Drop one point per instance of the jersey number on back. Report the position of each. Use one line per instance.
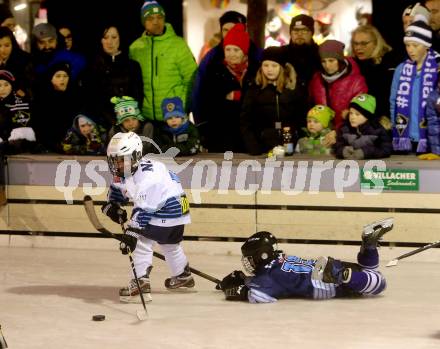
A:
(293, 264)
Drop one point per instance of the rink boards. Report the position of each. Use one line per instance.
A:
(229, 199)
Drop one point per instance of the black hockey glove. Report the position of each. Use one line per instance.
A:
(236, 293)
(115, 212)
(233, 279)
(129, 240)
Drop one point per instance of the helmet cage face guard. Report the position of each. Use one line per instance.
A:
(258, 250)
(248, 264)
(124, 165)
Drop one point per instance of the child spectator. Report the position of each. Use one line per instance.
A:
(413, 80)
(56, 103)
(362, 136)
(272, 102)
(129, 118)
(85, 137)
(178, 132)
(16, 133)
(318, 122)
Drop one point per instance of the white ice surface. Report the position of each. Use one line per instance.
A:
(49, 295)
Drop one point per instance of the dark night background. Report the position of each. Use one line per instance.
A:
(87, 18)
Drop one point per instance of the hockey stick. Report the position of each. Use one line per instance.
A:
(141, 315)
(90, 210)
(3, 344)
(393, 262)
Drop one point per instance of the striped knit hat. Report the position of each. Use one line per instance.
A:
(126, 107)
(419, 32)
(149, 8)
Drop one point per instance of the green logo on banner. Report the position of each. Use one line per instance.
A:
(390, 179)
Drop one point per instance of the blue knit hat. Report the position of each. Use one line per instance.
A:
(151, 7)
(172, 107)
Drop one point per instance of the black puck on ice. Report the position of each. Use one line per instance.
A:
(98, 317)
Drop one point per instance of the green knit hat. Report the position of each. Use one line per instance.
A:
(126, 107)
(322, 113)
(364, 104)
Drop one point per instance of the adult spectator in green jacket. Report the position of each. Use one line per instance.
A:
(166, 61)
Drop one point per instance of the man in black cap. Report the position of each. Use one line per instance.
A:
(213, 57)
(302, 51)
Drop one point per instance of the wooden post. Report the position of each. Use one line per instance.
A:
(256, 20)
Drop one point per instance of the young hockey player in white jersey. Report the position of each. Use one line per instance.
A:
(160, 213)
(276, 275)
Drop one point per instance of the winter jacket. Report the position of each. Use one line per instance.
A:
(305, 59)
(312, 143)
(168, 69)
(42, 61)
(16, 132)
(111, 76)
(371, 137)
(53, 112)
(338, 94)
(186, 139)
(214, 56)
(433, 120)
(263, 108)
(222, 129)
(414, 134)
(20, 65)
(378, 78)
(76, 144)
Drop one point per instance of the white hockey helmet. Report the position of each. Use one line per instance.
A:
(124, 152)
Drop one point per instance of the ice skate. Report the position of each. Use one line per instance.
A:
(373, 233)
(130, 294)
(182, 281)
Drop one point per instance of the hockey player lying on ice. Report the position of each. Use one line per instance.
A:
(277, 275)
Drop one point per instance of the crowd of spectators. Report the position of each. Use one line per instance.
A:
(357, 102)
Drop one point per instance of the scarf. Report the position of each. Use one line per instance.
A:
(428, 78)
(237, 70)
(178, 130)
(335, 76)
